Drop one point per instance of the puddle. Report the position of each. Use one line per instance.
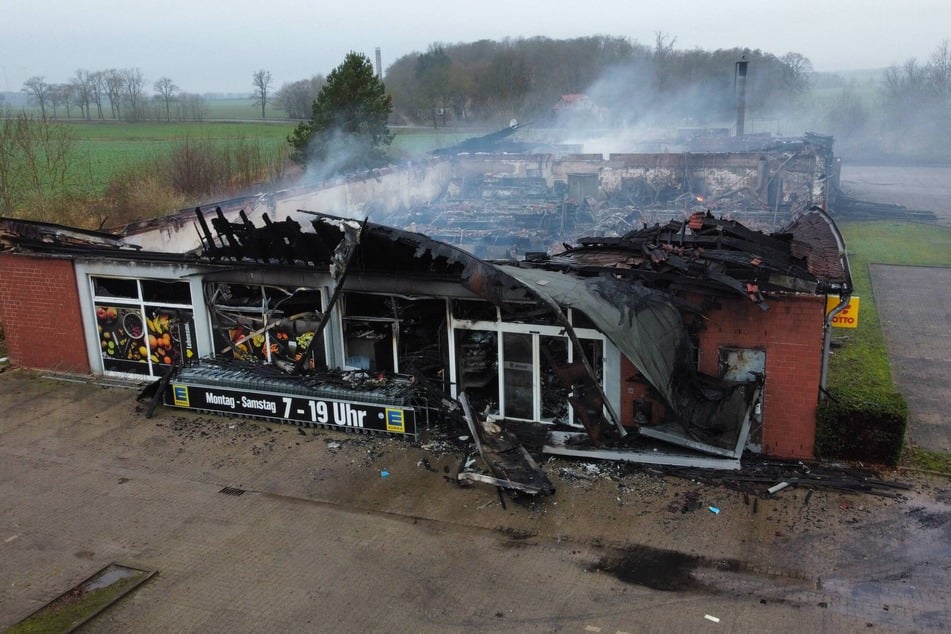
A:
(108, 576)
(665, 570)
(83, 601)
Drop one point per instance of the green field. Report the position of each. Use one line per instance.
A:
(104, 149)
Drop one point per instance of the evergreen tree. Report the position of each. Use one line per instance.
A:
(347, 129)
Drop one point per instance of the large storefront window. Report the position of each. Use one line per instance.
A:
(522, 371)
(391, 333)
(144, 326)
(267, 324)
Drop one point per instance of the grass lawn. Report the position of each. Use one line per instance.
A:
(881, 242)
(861, 364)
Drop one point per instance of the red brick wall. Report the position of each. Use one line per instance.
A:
(39, 308)
(791, 333)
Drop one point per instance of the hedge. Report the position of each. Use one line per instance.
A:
(869, 427)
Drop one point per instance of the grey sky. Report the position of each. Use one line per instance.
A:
(215, 45)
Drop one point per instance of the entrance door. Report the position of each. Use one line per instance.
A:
(518, 376)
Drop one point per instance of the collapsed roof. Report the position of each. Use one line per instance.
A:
(635, 288)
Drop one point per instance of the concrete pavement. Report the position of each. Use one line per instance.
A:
(915, 309)
(321, 542)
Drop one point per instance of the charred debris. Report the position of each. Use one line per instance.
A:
(646, 291)
(631, 251)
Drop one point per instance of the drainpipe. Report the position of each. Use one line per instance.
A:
(827, 340)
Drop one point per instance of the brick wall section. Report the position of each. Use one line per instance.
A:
(791, 333)
(39, 308)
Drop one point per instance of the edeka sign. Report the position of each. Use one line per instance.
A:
(293, 408)
(848, 317)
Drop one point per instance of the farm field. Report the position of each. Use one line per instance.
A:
(104, 149)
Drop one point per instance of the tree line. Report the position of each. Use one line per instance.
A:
(119, 94)
(126, 94)
(494, 81)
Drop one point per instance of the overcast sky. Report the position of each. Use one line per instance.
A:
(215, 45)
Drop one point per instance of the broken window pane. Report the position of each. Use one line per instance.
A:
(369, 345)
(267, 324)
(580, 320)
(423, 337)
(477, 375)
(473, 310)
(115, 287)
(369, 331)
(166, 292)
(554, 356)
(236, 295)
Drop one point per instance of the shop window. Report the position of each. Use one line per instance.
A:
(139, 337)
(267, 324)
(370, 332)
(422, 338)
(537, 374)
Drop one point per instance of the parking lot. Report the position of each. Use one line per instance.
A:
(319, 540)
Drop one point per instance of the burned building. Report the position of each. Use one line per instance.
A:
(614, 300)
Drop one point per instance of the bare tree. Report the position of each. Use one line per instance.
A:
(62, 95)
(297, 98)
(35, 159)
(193, 107)
(115, 86)
(39, 92)
(166, 89)
(797, 72)
(82, 90)
(97, 91)
(134, 87)
(261, 80)
(939, 69)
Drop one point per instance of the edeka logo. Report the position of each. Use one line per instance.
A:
(394, 421)
(848, 317)
(180, 395)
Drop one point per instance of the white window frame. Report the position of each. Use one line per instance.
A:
(537, 331)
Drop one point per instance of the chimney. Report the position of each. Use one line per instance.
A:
(379, 64)
(740, 86)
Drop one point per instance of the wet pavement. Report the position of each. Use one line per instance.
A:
(914, 308)
(318, 540)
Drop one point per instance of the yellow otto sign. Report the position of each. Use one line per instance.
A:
(848, 317)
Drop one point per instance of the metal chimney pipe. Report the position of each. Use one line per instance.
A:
(379, 64)
(739, 79)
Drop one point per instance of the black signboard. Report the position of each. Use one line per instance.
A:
(293, 408)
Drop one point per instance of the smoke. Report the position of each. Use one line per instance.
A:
(641, 105)
(634, 107)
(332, 153)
